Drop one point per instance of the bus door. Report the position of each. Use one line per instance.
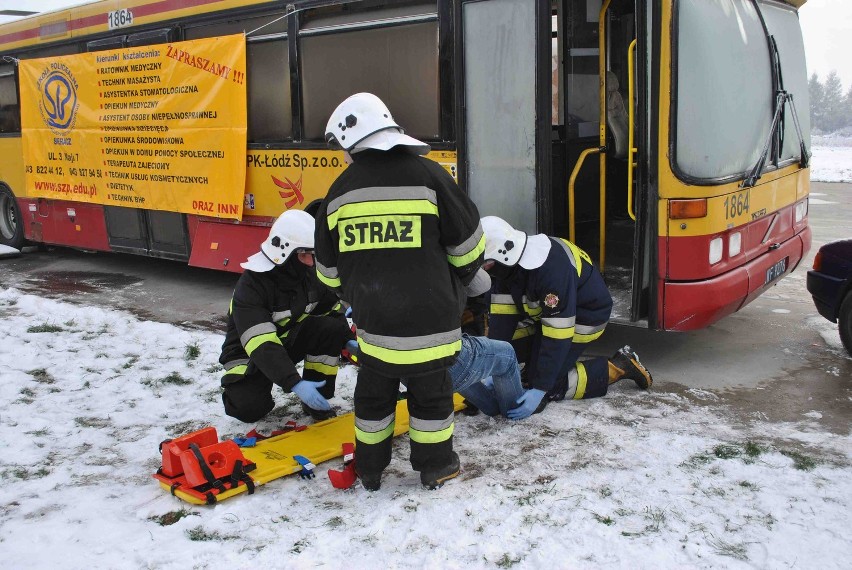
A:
(598, 198)
(504, 139)
(133, 230)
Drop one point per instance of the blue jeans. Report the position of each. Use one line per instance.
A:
(480, 358)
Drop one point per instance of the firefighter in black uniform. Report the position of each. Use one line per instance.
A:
(281, 314)
(399, 241)
(551, 301)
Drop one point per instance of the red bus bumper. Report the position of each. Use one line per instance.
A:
(693, 305)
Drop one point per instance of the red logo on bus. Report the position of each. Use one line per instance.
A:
(293, 193)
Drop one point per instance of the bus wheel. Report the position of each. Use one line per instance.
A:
(11, 223)
(844, 318)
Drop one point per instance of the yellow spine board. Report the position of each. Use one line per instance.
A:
(318, 442)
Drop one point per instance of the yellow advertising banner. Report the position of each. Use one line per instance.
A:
(279, 180)
(158, 127)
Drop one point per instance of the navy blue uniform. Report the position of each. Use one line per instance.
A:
(550, 313)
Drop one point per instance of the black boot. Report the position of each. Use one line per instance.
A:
(469, 409)
(319, 415)
(370, 481)
(435, 478)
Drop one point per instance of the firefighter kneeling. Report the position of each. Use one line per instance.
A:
(281, 314)
(550, 301)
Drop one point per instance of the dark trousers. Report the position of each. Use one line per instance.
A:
(430, 398)
(248, 397)
(596, 369)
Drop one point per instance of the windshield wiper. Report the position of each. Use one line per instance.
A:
(781, 99)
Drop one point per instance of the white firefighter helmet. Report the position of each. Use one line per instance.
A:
(503, 243)
(363, 121)
(293, 230)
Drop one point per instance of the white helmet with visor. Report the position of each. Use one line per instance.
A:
(363, 121)
(293, 231)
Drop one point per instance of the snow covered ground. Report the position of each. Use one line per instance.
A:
(831, 159)
(632, 480)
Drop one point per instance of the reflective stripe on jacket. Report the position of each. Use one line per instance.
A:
(564, 300)
(398, 240)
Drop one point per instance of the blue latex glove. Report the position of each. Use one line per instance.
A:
(348, 313)
(308, 392)
(527, 404)
(352, 347)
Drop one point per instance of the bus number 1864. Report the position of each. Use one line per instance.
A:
(736, 205)
(120, 18)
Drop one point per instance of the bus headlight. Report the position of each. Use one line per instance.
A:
(715, 250)
(800, 211)
(735, 244)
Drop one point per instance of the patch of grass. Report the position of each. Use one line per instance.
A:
(39, 432)
(749, 485)
(697, 460)
(172, 517)
(175, 378)
(27, 392)
(133, 360)
(766, 520)
(24, 473)
(738, 551)
(44, 328)
(334, 522)
(42, 376)
(753, 450)
(800, 461)
(725, 451)
(605, 492)
(198, 534)
(183, 428)
(656, 517)
(299, 546)
(192, 351)
(532, 497)
(101, 355)
(70, 323)
(92, 422)
(507, 561)
(607, 520)
(214, 368)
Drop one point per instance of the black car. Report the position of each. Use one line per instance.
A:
(830, 283)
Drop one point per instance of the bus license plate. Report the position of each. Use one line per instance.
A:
(776, 271)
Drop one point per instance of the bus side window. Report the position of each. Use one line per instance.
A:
(269, 105)
(392, 53)
(270, 116)
(10, 112)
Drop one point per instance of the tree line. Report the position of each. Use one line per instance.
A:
(831, 109)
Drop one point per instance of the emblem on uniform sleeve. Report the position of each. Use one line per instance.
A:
(551, 300)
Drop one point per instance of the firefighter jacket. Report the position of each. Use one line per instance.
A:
(563, 300)
(266, 308)
(399, 241)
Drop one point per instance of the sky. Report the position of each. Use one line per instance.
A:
(666, 478)
(826, 26)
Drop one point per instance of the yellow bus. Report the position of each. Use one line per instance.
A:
(668, 138)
